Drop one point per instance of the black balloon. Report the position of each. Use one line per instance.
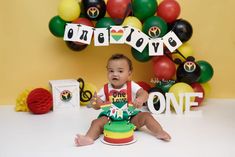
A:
(188, 72)
(156, 101)
(183, 29)
(94, 9)
(75, 47)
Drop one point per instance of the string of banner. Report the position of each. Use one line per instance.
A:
(121, 35)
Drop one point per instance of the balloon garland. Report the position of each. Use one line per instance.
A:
(177, 71)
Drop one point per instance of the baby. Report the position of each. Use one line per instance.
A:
(120, 91)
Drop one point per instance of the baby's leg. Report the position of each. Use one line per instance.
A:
(146, 119)
(82, 140)
(93, 133)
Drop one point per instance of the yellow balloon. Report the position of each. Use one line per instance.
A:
(186, 51)
(159, 1)
(132, 21)
(181, 87)
(69, 10)
(85, 95)
(207, 89)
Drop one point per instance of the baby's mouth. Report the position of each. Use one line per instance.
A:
(115, 79)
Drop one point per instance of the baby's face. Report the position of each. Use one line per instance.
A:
(118, 72)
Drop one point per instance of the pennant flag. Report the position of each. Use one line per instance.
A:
(117, 35)
(101, 37)
(85, 34)
(156, 47)
(135, 38)
(71, 32)
(119, 113)
(171, 41)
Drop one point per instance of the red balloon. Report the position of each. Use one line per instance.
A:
(154, 58)
(117, 8)
(164, 68)
(144, 85)
(169, 10)
(83, 21)
(197, 87)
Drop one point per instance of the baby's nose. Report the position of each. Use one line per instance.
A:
(115, 74)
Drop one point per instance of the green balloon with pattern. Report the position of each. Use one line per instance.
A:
(155, 27)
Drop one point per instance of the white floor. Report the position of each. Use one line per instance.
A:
(51, 135)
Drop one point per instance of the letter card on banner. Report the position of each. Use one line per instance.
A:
(85, 34)
(171, 41)
(101, 37)
(156, 47)
(117, 35)
(70, 33)
(135, 38)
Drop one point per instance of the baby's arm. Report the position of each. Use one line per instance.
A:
(141, 98)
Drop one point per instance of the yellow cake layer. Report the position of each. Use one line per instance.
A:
(117, 135)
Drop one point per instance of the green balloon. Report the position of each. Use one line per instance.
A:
(165, 85)
(143, 9)
(141, 56)
(83, 15)
(206, 71)
(57, 26)
(155, 27)
(105, 22)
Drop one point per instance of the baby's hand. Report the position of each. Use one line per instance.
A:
(138, 103)
(96, 101)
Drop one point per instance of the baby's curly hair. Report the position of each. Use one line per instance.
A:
(121, 56)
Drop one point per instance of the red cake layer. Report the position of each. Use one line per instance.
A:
(118, 141)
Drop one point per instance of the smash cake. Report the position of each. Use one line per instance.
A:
(119, 132)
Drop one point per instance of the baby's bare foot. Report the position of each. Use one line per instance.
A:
(162, 135)
(82, 140)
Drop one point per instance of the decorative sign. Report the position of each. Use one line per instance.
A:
(169, 101)
(65, 94)
(120, 35)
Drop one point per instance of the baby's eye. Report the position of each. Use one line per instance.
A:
(120, 71)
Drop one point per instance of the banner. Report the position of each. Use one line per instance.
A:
(121, 35)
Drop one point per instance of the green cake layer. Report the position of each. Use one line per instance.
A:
(119, 126)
